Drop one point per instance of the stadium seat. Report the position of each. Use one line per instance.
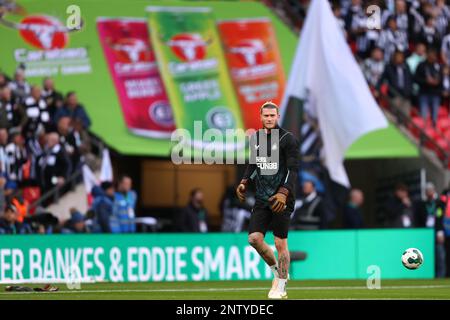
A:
(384, 89)
(414, 112)
(443, 125)
(353, 46)
(433, 135)
(417, 124)
(447, 135)
(442, 148)
(443, 113)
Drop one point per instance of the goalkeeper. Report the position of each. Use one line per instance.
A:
(274, 174)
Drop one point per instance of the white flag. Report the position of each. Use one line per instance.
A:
(106, 173)
(89, 179)
(325, 69)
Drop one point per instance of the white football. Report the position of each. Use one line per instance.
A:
(412, 258)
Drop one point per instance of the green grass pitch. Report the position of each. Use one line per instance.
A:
(243, 290)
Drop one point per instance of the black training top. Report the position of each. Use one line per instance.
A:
(269, 173)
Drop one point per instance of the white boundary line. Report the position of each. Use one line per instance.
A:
(229, 289)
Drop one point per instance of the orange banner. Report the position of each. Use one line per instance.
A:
(253, 58)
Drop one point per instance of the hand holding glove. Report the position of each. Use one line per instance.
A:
(278, 200)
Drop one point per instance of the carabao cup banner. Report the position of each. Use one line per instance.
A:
(202, 257)
(194, 70)
(254, 61)
(133, 67)
(112, 72)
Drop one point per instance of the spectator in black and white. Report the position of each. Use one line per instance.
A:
(19, 86)
(53, 165)
(429, 78)
(309, 213)
(353, 217)
(83, 142)
(373, 67)
(417, 21)
(400, 15)
(68, 141)
(352, 12)
(400, 84)
(37, 113)
(429, 35)
(17, 156)
(73, 109)
(7, 186)
(9, 223)
(445, 48)
(3, 181)
(392, 39)
(53, 98)
(442, 15)
(340, 20)
(429, 214)
(345, 6)
(4, 162)
(11, 113)
(365, 38)
(35, 148)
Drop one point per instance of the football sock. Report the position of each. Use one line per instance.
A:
(274, 269)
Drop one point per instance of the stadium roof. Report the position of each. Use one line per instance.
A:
(385, 143)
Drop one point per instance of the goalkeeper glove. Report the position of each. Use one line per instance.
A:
(240, 190)
(279, 200)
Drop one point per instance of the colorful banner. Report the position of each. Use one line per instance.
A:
(132, 65)
(195, 74)
(253, 57)
(343, 254)
(39, 37)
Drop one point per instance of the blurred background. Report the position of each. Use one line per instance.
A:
(89, 97)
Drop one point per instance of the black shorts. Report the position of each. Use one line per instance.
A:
(263, 219)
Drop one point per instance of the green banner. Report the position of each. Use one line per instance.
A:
(193, 67)
(202, 257)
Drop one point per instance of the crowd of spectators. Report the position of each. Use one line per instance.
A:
(43, 141)
(112, 211)
(405, 59)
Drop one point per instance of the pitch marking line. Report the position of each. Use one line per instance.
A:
(227, 289)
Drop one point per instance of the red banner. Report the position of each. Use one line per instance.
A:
(253, 58)
(133, 67)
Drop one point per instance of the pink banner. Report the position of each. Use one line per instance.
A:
(133, 67)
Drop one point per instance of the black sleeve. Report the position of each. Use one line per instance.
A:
(251, 167)
(291, 153)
